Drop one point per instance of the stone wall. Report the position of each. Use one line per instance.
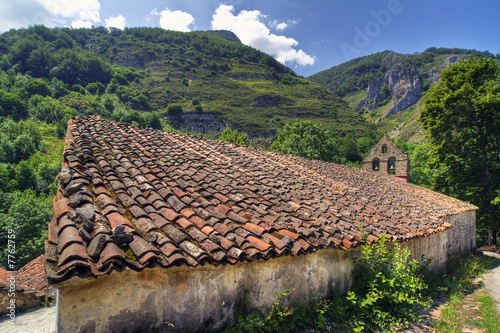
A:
(24, 300)
(402, 166)
(185, 299)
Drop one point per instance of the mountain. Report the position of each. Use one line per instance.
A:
(387, 87)
(197, 81)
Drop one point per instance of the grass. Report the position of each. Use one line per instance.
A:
(457, 284)
(490, 318)
(450, 320)
(355, 98)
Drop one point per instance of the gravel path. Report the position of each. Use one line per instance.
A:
(492, 280)
(38, 320)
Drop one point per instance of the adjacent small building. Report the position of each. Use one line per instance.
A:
(386, 157)
(156, 231)
(30, 285)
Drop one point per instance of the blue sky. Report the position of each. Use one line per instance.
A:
(307, 35)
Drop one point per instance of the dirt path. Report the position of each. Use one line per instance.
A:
(38, 320)
(492, 280)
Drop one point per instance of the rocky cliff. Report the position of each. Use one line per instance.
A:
(399, 87)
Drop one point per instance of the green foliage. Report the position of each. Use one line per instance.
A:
(95, 88)
(461, 117)
(306, 139)
(48, 109)
(388, 290)
(280, 318)
(310, 140)
(18, 141)
(38, 87)
(174, 109)
(12, 105)
(135, 98)
(125, 75)
(153, 120)
(490, 318)
(420, 172)
(233, 136)
(195, 101)
(82, 58)
(28, 214)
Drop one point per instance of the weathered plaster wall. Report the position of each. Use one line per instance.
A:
(460, 239)
(463, 233)
(182, 299)
(202, 297)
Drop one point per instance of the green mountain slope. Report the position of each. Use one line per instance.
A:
(216, 80)
(387, 87)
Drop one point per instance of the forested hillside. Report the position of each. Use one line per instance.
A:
(205, 75)
(145, 76)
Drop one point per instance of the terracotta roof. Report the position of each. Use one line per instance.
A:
(4, 274)
(131, 198)
(32, 275)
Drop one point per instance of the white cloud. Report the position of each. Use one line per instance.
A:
(281, 26)
(174, 20)
(81, 12)
(115, 22)
(22, 13)
(250, 29)
(81, 24)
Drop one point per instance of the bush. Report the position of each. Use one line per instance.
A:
(12, 105)
(388, 289)
(233, 136)
(174, 109)
(195, 101)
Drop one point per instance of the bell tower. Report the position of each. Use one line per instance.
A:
(387, 158)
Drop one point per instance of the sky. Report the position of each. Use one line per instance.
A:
(306, 35)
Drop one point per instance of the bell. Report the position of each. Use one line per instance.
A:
(392, 166)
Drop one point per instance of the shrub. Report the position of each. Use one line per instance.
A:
(233, 136)
(195, 101)
(174, 109)
(388, 290)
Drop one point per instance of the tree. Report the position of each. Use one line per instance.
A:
(420, 173)
(306, 139)
(154, 121)
(38, 87)
(28, 215)
(174, 109)
(230, 135)
(462, 115)
(349, 149)
(12, 105)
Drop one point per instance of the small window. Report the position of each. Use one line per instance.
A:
(391, 166)
(376, 164)
(384, 149)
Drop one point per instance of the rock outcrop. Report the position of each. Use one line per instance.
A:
(206, 123)
(403, 87)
